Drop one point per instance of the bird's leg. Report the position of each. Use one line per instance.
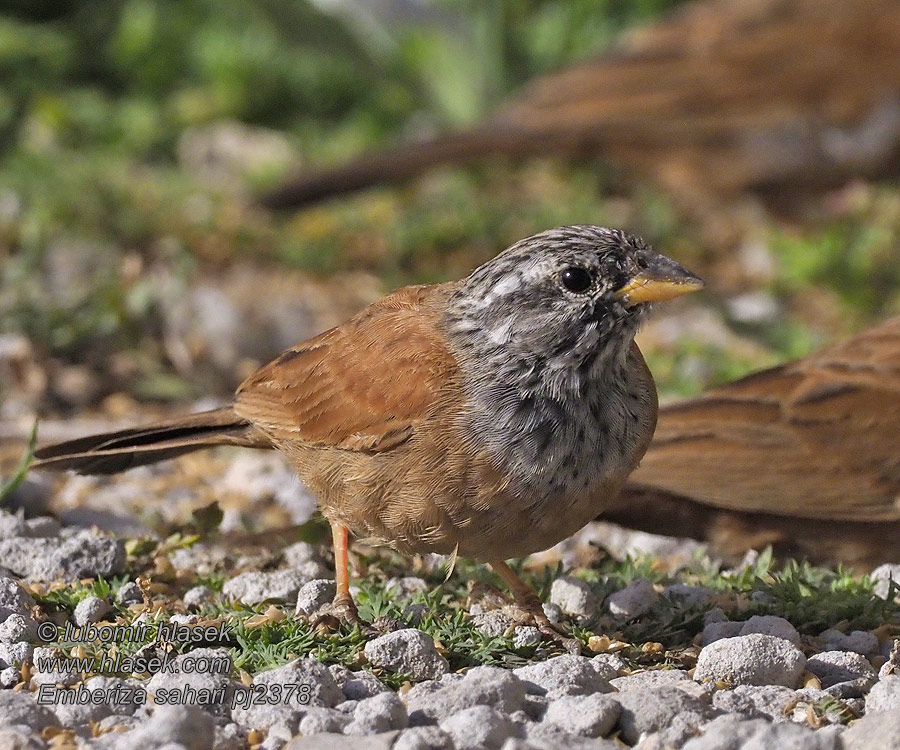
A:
(530, 603)
(342, 607)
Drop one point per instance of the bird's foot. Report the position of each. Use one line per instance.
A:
(341, 610)
(556, 634)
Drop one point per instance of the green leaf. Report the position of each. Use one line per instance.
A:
(10, 486)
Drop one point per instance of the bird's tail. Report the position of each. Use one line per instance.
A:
(112, 452)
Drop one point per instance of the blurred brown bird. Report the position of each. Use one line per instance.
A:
(490, 417)
(719, 97)
(805, 457)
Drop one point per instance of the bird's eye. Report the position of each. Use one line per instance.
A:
(576, 279)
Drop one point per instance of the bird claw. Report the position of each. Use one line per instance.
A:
(329, 618)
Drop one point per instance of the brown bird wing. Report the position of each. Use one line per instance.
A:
(816, 438)
(364, 385)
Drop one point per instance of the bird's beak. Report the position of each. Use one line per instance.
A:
(661, 279)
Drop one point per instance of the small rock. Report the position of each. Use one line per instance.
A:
(771, 625)
(755, 701)
(380, 713)
(636, 599)
(651, 678)
(21, 708)
(423, 738)
(11, 525)
(433, 701)
(525, 636)
(554, 613)
(653, 709)
(478, 728)
(587, 715)
(573, 596)
(314, 595)
(130, 593)
(609, 666)
(186, 725)
(298, 553)
(328, 741)
(13, 599)
(833, 667)
(717, 630)
(196, 597)
(406, 587)
(206, 669)
(687, 595)
(563, 675)
(315, 687)
(884, 695)
(319, 720)
(17, 628)
(882, 577)
(859, 641)
(407, 651)
(230, 737)
(90, 609)
(754, 659)
(81, 554)
(16, 654)
(874, 731)
(9, 677)
(733, 733)
(278, 585)
(356, 685)
(493, 623)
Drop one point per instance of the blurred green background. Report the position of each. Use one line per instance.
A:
(134, 137)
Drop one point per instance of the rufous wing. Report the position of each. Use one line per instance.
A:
(362, 386)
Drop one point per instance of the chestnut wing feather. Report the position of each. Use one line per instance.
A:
(364, 385)
(816, 438)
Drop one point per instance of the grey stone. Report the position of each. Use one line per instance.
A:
(563, 675)
(478, 728)
(80, 712)
(19, 738)
(733, 733)
(13, 599)
(329, 741)
(230, 737)
(719, 629)
(206, 669)
(380, 713)
(316, 687)
(609, 666)
(859, 641)
(196, 597)
(11, 525)
(278, 585)
(44, 672)
(755, 701)
(525, 636)
(16, 654)
(9, 677)
(298, 553)
(17, 628)
(636, 599)
(22, 708)
(771, 625)
(81, 554)
(884, 695)
(543, 736)
(653, 709)
(650, 678)
(754, 659)
(130, 593)
(587, 715)
(554, 613)
(356, 685)
(879, 730)
(314, 595)
(573, 596)
(320, 720)
(432, 701)
(90, 609)
(493, 623)
(833, 667)
(186, 725)
(407, 651)
(683, 728)
(423, 738)
(882, 577)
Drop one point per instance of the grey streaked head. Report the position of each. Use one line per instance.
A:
(564, 301)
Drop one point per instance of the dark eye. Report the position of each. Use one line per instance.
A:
(576, 279)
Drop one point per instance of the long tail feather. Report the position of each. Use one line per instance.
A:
(112, 452)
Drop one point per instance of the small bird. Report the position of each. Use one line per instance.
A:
(804, 456)
(489, 417)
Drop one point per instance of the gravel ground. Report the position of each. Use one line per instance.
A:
(749, 681)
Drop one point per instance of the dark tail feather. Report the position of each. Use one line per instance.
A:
(112, 452)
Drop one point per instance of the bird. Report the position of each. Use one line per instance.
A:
(488, 417)
(804, 456)
(693, 103)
